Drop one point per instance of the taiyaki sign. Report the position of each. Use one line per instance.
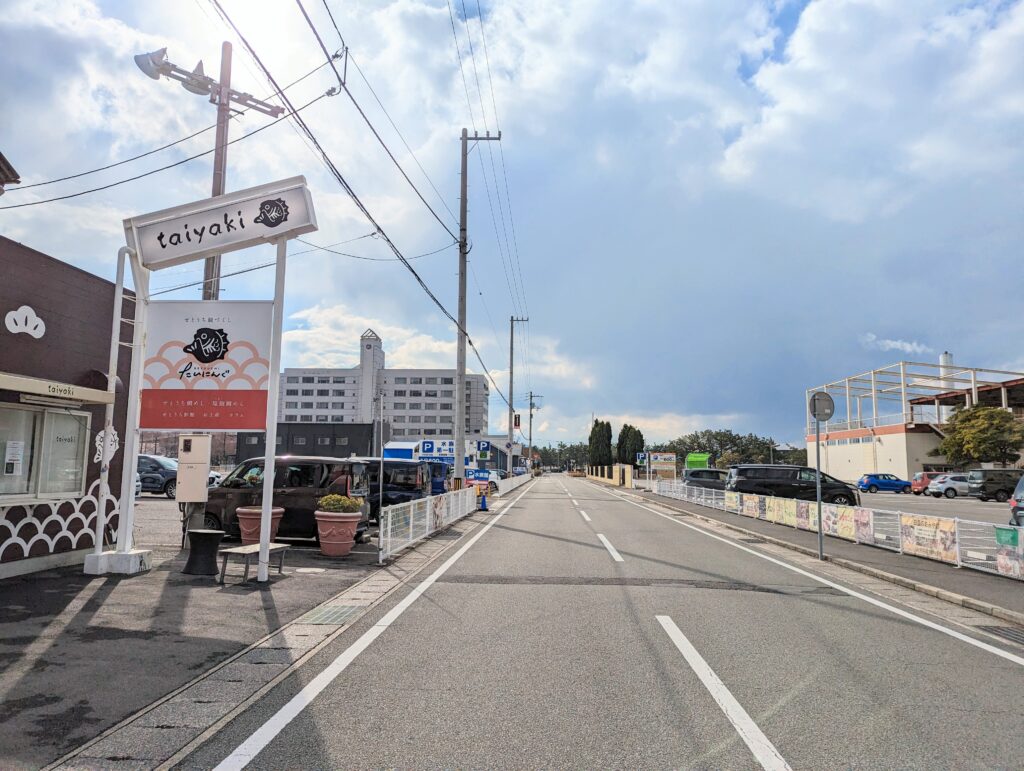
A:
(207, 366)
(223, 224)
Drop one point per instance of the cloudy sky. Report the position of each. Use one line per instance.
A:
(715, 204)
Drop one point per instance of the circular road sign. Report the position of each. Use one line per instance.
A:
(822, 407)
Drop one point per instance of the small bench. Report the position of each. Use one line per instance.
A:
(247, 553)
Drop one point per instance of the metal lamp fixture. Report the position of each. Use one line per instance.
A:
(156, 65)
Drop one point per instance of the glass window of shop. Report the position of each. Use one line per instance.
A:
(43, 452)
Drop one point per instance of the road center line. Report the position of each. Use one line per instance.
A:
(584, 515)
(611, 549)
(574, 503)
(845, 590)
(251, 747)
(763, 750)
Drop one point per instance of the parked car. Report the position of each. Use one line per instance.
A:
(998, 483)
(1017, 505)
(159, 474)
(873, 483)
(949, 485)
(919, 484)
(138, 484)
(404, 480)
(789, 482)
(712, 478)
(299, 482)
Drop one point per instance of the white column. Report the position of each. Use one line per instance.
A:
(130, 459)
(273, 387)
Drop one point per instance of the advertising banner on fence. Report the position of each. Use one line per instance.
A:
(863, 527)
(1010, 556)
(732, 501)
(806, 516)
(207, 366)
(845, 525)
(789, 512)
(750, 504)
(931, 537)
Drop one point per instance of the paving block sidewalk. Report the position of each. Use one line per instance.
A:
(81, 654)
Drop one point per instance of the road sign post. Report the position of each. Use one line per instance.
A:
(822, 408)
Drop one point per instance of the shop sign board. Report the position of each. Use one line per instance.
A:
(224, 223)
(207, 366)
(663, 461)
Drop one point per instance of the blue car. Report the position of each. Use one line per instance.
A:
(889, 483)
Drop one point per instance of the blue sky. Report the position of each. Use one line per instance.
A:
(717, 203)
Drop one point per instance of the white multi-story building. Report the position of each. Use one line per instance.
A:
(417, 402)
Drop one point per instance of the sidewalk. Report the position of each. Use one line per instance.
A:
(79, 654)
(985, 588)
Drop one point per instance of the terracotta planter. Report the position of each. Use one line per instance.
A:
(249, 522)
(337, 531)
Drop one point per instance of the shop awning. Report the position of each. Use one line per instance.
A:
(54, 389)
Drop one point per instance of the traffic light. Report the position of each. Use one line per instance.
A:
(515, 423)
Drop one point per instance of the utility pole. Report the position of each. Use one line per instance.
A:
(221, 94)
(529, 452)
(460, 356)
(511, 410)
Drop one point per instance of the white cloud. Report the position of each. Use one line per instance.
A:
(873, 342)
(558, 425)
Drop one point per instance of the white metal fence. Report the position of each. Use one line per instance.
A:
(404, 524)
(505, 486)
(965, 543)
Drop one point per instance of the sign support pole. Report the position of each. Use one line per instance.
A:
(273, 388)
(817, 477)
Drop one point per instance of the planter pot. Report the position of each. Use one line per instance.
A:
(249, 522)
(337, 531)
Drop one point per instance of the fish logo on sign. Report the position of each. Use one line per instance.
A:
(208, 345)
(273, 212)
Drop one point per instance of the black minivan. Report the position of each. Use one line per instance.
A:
(789, 482)
(299, 482)
(998, 483)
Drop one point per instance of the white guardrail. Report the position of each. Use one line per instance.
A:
(404, 524)
(965, 543)
(505, 486)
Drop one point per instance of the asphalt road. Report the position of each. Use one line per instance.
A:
(578, 629)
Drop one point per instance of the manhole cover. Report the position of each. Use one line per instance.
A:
(1011, 633)
(330, 614)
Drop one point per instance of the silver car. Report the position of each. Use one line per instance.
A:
(949, 485)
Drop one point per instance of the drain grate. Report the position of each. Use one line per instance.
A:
(1011, 633)
(330, 614)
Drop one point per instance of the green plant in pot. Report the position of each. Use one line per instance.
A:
(337, 518)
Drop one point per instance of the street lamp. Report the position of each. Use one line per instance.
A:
(156, 65)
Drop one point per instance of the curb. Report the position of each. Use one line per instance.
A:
(996, 611)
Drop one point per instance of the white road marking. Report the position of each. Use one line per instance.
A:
(574, 503)
(752, 736)
(611, 549)
(584, 515)
(251, 747)
(870, 600)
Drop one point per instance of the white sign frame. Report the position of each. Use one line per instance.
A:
(241, 211)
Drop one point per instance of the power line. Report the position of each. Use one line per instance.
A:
(257, 266)
(170, 165)
(169, 145)
(400, 136)
(352, 194)
(366, 119)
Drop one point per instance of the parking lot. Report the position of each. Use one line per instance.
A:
(965, 508)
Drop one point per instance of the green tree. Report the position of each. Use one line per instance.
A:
(600, 445)
(630, 442)
(982, 435)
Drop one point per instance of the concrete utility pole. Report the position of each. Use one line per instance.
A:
(156, 64)
(460, 356)
(511, 410)
(529, 452)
